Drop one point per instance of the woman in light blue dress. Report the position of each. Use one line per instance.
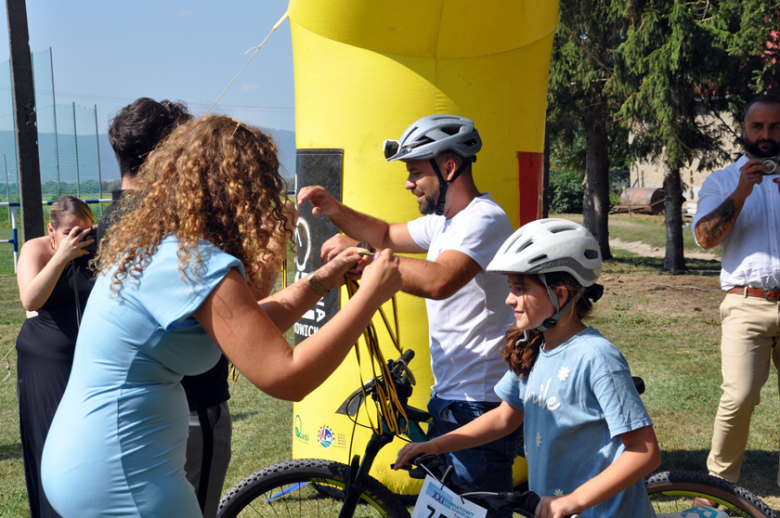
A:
(174, 290)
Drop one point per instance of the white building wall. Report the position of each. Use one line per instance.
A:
(651, 173)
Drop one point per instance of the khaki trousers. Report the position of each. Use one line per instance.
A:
(750, 330)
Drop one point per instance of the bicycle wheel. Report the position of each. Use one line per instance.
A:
(673, 491)
(302, 489)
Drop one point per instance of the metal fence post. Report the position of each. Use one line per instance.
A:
(76, 142)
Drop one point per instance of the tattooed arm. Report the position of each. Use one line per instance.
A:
(713, 228)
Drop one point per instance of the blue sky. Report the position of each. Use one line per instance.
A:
(108, 53)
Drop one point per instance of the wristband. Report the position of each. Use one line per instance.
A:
(366, 245)
(316, 286)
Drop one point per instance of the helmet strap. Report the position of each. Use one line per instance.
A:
(523, 339)
(445, 184)
(550, 322)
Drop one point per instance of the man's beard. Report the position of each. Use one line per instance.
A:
(428, 206)
(753, 148)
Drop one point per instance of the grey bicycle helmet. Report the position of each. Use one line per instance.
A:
(551, 245)
(431, 136)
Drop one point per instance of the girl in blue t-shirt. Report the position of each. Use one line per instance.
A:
(588, 439)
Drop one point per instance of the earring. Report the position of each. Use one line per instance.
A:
(51, 241)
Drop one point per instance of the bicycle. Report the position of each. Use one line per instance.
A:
(328, 489)
(672, 491)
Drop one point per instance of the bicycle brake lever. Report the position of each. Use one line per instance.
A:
(415, 473)
(410, 376)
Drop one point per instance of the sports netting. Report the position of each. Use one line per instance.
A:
(67, 139)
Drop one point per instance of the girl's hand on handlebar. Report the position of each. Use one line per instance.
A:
(411, 451)
(382, 276)
(556, 507)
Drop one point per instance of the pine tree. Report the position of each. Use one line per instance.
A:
(582, 96)
(682, 61)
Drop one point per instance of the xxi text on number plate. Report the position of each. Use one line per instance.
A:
(436, 501)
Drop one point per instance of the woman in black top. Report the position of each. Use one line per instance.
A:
(54, 281)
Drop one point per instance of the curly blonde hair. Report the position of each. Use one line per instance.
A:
(213, 179)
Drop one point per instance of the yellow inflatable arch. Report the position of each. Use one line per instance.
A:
(364, 71)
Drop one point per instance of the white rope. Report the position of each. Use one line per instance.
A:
(276, 26)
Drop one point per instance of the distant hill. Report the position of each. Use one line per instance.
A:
(284, 139)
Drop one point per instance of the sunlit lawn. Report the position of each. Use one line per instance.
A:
(675, 351)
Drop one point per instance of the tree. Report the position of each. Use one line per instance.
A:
(582, 95)
(682, 61)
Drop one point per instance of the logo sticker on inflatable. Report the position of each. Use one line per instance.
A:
(299, 430)
(303, 240)
(325, 437)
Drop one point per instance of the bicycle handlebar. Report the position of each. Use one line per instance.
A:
(524, 502)
(403, 381)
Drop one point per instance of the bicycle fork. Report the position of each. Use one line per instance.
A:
(358, 471)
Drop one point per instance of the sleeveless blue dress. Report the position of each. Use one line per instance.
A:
(117, 443)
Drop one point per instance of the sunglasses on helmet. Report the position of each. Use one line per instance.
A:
(393, 148)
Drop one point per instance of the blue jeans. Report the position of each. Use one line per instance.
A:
(484, 468)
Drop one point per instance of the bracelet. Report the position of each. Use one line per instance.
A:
(316, 286)
(367, 246)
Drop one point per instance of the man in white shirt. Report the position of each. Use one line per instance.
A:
(739, 209)
(461, 230)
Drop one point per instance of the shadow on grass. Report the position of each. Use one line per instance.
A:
(242, 415)
(694, 266)
(758, 475)
(10, 451)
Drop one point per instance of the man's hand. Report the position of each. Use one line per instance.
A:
(749, 176)
(712, 229)
(322, 201)
(334, 246)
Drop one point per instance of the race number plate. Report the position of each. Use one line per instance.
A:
(436, 501)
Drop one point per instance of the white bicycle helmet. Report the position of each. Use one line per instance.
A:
(546, 246)
(431, 136)
(550, 245)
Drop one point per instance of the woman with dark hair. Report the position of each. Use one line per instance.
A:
(54, 284)
(172, 292)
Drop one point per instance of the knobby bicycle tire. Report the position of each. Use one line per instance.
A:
(308, 488)
(673, 491)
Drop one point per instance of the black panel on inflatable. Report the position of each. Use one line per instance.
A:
(316, 167)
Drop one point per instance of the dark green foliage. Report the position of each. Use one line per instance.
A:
(681, 67)
(566, 190)
(110, 186)
(567, 169)
(683, 60)
(583, 98)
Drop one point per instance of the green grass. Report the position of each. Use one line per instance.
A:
(627, 262)
(647, 229)
(675, 351)
(679, 358)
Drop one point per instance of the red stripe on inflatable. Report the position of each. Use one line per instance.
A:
(530, 174)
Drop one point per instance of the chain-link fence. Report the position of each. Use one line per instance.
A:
(67, 139)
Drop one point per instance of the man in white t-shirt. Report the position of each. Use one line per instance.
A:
(461, 230)
(739, 210)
